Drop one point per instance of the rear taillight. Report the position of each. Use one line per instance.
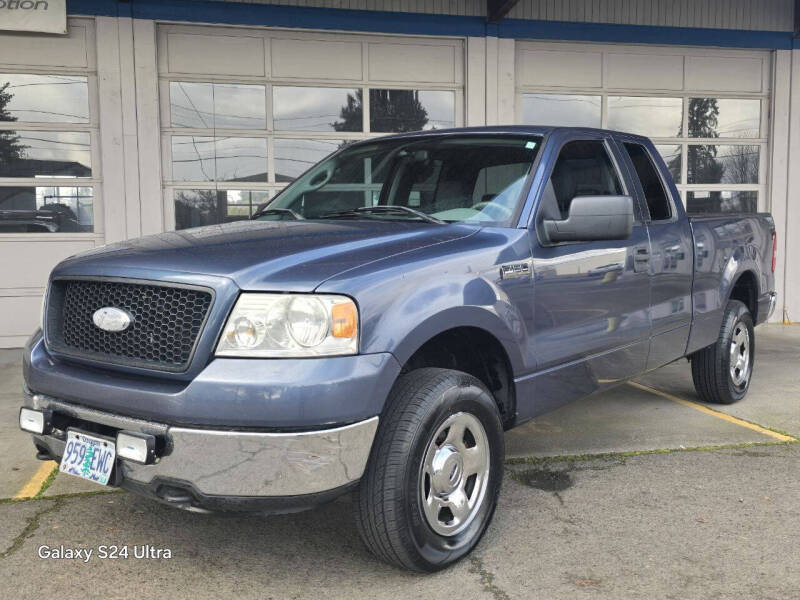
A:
(774, 250)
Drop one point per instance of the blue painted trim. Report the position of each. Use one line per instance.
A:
(302, 17)
(645, 34)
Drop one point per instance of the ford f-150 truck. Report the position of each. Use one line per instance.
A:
(377, 326)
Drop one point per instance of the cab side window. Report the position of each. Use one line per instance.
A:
(652, 185)
(583, 168)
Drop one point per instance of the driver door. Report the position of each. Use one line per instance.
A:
(591, 299)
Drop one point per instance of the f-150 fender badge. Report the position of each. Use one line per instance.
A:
(515, 270)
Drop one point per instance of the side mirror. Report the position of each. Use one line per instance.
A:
(593, 218)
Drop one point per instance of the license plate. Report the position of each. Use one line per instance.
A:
(88, 457)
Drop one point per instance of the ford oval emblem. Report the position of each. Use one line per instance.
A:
(113, 319)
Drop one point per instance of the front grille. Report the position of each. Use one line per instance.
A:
(166, 322)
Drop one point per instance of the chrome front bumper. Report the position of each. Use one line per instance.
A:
(229, 463)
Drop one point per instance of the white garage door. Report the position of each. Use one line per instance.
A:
(49, 166)
(245, 111)
(706, 110)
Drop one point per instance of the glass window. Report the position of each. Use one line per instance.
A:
(397, 111)
(457, 178)
(583, 168)
(653, 117)
(294, 156)
(194, 208)
(45, 153)
(699, 202)
(723, 164)
(561, 109)
(44, 98)
(193, 158)
(724, 117)
(241, 159)
(317, 109)
(46, 209)
(206, 158)
(217, 105)
(672, 157)
(652, 187)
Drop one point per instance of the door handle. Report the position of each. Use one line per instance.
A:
(641, 258)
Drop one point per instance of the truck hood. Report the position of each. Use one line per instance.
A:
(262, 255)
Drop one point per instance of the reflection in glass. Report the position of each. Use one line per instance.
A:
(191, 104)
(193, 158)
(194, 208)
(561, 109)
(724, 117)
(217, 105)
(397, 111)
(699, 202)
(722, 164)
(653, 117)
(46, 209)
(293, 156)
(238, 106)
(672, 156)
(317, 109)
(44, 98)
(205, 158)
(45, 153)
(241, 159)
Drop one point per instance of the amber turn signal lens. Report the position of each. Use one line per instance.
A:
(344, 320)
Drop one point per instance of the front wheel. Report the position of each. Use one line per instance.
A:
(434, 473)
(721, 372)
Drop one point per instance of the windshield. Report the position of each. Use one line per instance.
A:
(473, 179)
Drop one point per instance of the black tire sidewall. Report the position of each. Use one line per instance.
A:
(463, 396)
(737, 313)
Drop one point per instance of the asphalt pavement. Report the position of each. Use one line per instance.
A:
(639, 492)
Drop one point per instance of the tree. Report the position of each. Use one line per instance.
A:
(10, 148)
(702, 121)
(391, 111)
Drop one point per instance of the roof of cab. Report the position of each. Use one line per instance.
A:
(506, 129)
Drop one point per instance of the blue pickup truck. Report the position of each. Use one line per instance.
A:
(378, 325)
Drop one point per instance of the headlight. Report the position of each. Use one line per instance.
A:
(290, 325)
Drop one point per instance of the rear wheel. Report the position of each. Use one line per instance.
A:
(434, 474)
(721, 372)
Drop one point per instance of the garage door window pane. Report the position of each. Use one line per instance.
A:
(397, 111)
(317, 109)
(45, 153)
(724, 117)
(238, 106)
(561, 109)
(191, 104)
(672, 156)
(723, 164)
(46, 209)
(193, 158)
(294, 156)
(653, 117)
(194, 208)
(44, 98)
(205, 158)
(217, 105)
(241, 159)
(699, 202)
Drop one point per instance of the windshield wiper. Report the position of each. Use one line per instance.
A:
(277, 211)
(386, 209)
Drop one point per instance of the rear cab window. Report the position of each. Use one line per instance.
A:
(655, 194)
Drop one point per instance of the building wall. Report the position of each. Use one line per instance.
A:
(128, 66)
(764, 15)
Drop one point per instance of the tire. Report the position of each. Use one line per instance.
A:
(714, 378)
(417, 461)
